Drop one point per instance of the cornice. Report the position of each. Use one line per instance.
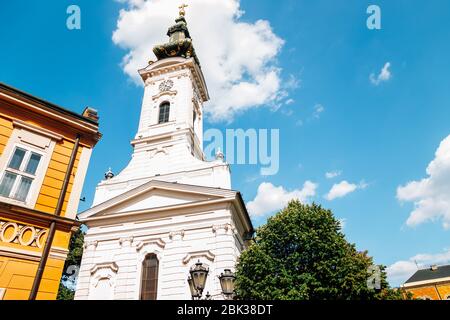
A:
(169, 65)
(40, 131)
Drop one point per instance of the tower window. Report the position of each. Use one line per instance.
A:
(164, 112)
(149, 287)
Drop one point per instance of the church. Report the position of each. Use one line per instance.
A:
(169, 226)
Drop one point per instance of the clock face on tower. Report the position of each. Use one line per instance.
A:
(166, 85)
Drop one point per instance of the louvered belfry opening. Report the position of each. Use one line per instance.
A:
(149, 287)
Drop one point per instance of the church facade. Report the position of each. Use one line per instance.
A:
(169, 208)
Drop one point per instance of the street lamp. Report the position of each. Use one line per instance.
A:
(194, 292)
(227, 279)
(197, 280)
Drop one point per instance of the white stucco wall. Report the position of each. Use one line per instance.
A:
(178, 241)
(179, 235)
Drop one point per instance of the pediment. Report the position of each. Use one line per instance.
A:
(154, 195)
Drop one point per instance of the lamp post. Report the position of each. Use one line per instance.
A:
(197, 280)
(227, 279)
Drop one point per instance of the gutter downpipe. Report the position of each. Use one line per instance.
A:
(437, 291)
(52, 229)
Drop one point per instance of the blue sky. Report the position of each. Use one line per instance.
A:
(378, 136)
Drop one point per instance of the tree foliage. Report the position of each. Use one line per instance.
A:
(301, 254)
(67, 286)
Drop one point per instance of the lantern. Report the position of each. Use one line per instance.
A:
(199, 273)
(227, 279)
(194, 292)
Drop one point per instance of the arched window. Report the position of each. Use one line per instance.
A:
(149, 287)
(164, 112)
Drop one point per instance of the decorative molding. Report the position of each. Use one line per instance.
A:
(43, 110)
(59, 253)
(88, 244)
(105, 265)
(225, 227)
(40, 131)
(180, 233)
(105, 270)
(158, 242)
(199, 254)
(166, 66)
(36, 239)
(55, 253)
(20, 254)
(196, 94)
(123, 241)
(160, 149)
(165, 93)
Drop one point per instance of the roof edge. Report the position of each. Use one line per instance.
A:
(24, 95)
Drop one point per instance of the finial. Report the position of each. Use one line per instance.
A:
(109, 174)
(219, 155)
(183, 9)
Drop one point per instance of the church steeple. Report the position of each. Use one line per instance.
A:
(168, 144)
(180, 41)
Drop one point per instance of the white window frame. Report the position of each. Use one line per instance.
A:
(2, 293)
(21, 171)
(32, 139)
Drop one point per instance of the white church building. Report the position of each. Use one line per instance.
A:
(169, 208)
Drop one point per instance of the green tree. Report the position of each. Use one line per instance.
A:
(301, 254)
(67, 286)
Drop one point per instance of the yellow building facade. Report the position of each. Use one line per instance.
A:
(430, 284)
(44, 155)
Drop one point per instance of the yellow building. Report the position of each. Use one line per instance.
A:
(44, 155)
(430, 284)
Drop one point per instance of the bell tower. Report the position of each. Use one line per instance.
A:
(175, 91)
(169, 142)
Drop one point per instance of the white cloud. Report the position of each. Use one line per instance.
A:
(343, 188)
(333, 174)
(384, 75)
(292, 82)
(252, 178)
(431, 195)
(318, 110)
(271, 198)
(289, 101)
(400, 271)
(238, 58)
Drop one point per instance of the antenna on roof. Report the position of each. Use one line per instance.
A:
(417, 265)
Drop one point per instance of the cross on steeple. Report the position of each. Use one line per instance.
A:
(182, 9)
